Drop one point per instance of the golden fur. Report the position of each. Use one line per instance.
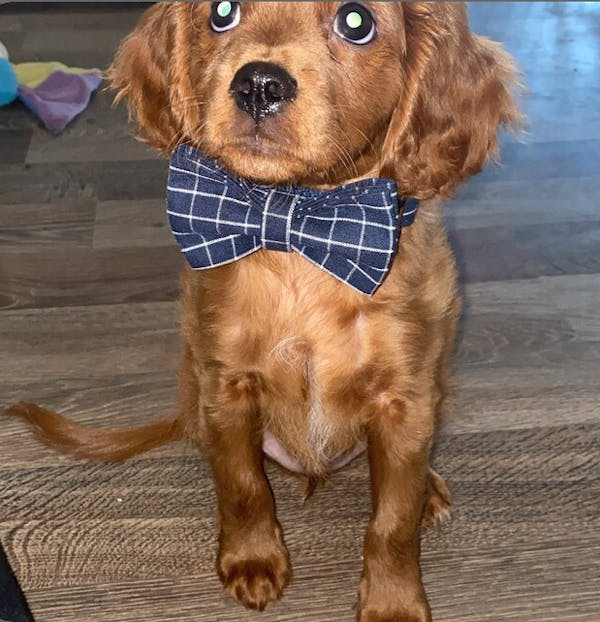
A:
(272, 341)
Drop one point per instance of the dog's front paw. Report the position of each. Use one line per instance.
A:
(392, 616)
(381, 604)
(414, 613)
(255, 571)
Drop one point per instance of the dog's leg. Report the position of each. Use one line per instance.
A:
(437, 495)
(252, 562)
(399, 437)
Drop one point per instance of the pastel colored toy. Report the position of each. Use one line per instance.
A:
(8, 79)
(56, 93)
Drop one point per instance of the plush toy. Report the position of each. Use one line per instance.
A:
(8, 79)
(54, 92)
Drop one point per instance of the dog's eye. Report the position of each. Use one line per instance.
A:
(225, 16)
(355, 24)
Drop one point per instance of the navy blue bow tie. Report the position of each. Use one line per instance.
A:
(351, 232)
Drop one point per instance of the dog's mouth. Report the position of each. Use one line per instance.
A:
(263, 159)
(258, 146)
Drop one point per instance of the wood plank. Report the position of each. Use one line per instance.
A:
(528, 354)
(527, 251)
(563, 159)
(14, 144)
(75, 37)
(122, 224)
(502, 203)
(89, 341)
(16, 117)
(75, 276)
(31, 226)
(37, 183)
(41, 15)
(102, 133)
(574, 297)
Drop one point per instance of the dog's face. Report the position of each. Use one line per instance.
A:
(320, 92)
(289, 88)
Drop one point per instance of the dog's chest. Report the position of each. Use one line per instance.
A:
(310, 346)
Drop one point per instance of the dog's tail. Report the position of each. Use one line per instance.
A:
(92, 444)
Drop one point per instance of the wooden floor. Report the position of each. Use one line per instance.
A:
(88, 279)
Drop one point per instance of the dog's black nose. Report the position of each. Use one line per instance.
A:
(263, 89)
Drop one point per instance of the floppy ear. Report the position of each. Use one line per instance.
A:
(457, 95)
(151, 71)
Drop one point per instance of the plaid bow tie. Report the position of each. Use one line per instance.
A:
(351, 232)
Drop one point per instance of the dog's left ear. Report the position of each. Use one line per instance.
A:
(457, 95)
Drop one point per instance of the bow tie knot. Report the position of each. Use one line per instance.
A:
(277, 212)
(351, 232)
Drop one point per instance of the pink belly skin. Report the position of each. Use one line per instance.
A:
(276, 451)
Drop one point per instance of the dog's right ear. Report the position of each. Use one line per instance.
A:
(148, 73)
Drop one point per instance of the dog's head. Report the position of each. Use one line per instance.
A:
(320, 92)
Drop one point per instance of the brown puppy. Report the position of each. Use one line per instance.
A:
(274, 344)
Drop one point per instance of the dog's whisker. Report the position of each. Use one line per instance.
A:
(345, 156)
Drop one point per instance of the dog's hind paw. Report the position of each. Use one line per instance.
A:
(437, 501)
